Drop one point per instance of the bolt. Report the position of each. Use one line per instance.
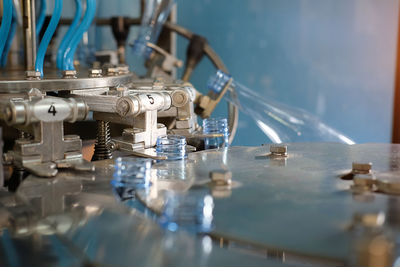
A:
(121, 90)
(111, 71)
(123, 107)
(221, 177)
(123, 69)
(33, 75)
(179, 98)
(95, 73)
(279, 150)
(361, 167)
(69, 74)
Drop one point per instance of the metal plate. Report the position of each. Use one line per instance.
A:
(74, 219)
(57, 84)
(296, 204)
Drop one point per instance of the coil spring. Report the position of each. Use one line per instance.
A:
(102, 147)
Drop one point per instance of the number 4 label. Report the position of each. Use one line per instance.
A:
(52, 109)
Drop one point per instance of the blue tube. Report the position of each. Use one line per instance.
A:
(68, 63)
(9, 41)
(42, 16)
(68, 36)
(5, 23)
(48, 35)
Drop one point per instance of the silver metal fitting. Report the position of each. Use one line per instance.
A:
(35, 93)
(279, 150)
(123, 69)
(33, 75)
(123, 107)
(179, 98)
(221, 177)
(361, 167)
(69, 74)
(121, 90)
(95, 73)
(112, 71)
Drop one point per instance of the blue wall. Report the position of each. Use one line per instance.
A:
(334, 58)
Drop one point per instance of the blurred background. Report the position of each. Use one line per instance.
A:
(334, 58)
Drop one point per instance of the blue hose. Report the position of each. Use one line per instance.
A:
(48, 35)
(5, 23)
(42, 16)
(68, 36)
(10, 38)
(68, 63)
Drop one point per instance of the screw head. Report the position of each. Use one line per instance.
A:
(221, 177)
(95, 73)
(123, 107)
(278, 150)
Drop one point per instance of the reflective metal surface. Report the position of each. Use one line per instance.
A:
(75, 220)
(294, 208)
(297, 204)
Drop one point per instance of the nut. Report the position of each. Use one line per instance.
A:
(69, 74)
(221, 177)
(280, 150)
(33, 75)
(111, 71)
(95, 73)
(123, 69)
(361, 167)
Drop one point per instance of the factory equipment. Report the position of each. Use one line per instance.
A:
(111, 168)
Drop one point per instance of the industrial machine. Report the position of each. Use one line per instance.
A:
(105, 167)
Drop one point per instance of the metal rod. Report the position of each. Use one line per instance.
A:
(29, 26)
(233, 111)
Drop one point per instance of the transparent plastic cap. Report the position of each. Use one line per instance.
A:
(171, 146)
(216, 126)
(217, 82)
